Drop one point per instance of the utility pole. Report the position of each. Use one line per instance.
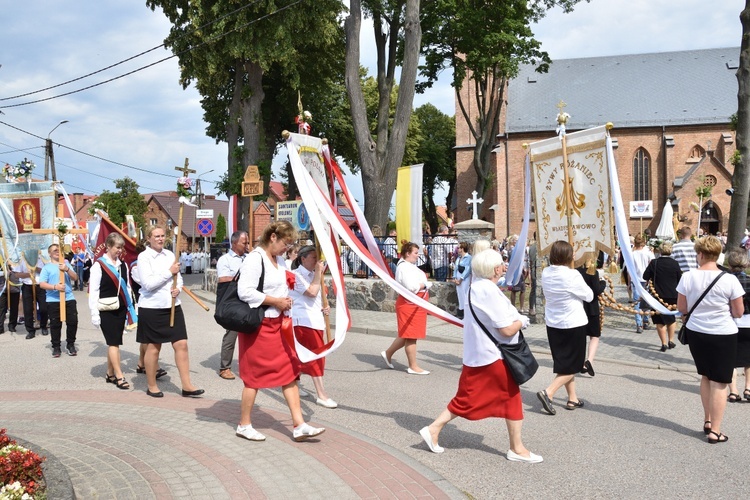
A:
(49, 155)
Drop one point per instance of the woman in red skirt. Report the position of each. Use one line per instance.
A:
(308, 315)
(412, 319)
(486, 387)
(266, 358)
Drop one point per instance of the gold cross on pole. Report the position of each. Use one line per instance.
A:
(185, 170)
(561, 105)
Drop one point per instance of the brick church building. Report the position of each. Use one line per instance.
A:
(671, 114)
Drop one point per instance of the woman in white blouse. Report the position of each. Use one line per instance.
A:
(412, 319)
(486, 388)
(308, 315)
(565, 291)
(157, 268)
(266, 356)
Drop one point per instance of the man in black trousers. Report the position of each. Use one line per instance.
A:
(29, 306)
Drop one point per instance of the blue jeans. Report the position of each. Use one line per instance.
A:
(637, 298)
(79, 272)
(441, 273)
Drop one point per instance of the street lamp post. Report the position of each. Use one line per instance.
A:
(49, 156)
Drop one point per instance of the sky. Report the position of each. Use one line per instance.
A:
(144, 124)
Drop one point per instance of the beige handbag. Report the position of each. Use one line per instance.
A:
(110, 303)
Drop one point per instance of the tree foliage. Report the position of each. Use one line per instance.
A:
(126, 200)
(221, 229)
(435, 151)
(485, 42)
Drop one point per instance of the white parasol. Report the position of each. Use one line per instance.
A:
(665, 230)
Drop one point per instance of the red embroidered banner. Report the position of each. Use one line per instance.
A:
(28, 214)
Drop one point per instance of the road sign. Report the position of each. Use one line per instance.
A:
(253, 188)
(205, 227)
(205, 214)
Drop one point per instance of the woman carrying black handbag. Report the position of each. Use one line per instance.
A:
(486, 387)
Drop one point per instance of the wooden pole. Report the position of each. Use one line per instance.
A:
(566, 190)
(251, 223)
(323, 292)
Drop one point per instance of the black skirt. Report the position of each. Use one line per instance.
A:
(714, 355)
(665, 319)
(113, 324)
(568, 348)
(743, 348)
(593, 327)
(153, 326)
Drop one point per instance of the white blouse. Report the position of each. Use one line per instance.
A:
(565, 292)
(306, 311)
(495, 311)
(411, 276)
(274, 280)
(156, 279)
(95, 279)
(713, 315)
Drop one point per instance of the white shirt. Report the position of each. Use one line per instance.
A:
(565, 291)
(228, 264)
(156, 279)
(713, 315)
(23, 268)
(274, 280)
(495, 311)
(410, 276)
(306, 310)
(641, 258)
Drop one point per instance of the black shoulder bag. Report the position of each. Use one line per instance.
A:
(682, 335)
(233, 313)
(521, 362)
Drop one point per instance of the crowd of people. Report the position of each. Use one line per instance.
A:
(284, 279)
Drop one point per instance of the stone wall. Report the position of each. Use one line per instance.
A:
(370, 294)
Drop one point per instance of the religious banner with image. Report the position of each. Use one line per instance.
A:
(27, 213)
(579, 199)
(23, 208)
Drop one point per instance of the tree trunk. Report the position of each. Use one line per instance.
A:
(738, 211)
(250, 110)
(380, 160)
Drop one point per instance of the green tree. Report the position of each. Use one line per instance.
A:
(221, 229)
(738, 209)
(126, 200)
(435, 151)
(398, 37)
(484, 42)
(227, 51)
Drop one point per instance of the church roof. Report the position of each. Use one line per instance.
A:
(635, 90)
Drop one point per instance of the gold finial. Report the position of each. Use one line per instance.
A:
(610, 125)
(525, 145)
(561, 105)
(562, 116)
(285, 134)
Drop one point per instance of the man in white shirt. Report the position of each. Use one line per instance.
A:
(226, 268)
(442, 249)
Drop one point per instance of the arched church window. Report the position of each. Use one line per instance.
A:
(641, 175)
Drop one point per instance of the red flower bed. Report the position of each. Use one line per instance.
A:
(20, 465)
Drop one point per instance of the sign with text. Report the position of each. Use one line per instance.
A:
(205, 213)
(254, 188)
(251, 174)
(293, 212)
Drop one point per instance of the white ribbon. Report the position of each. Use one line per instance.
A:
(186, 201)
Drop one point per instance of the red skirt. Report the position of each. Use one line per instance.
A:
(487, 391)
(312, 339)
(265, 358)
(412, 319)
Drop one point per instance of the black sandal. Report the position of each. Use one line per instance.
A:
(572, 405)
(707, 427)
(121, 383)
(718, 438)
(746, 394)
(159, 373)
(734, 398)
(111, 379)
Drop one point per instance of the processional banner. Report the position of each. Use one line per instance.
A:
(580, 200)
(25, 206)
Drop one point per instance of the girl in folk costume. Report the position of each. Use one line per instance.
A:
(412, 319)
(308, 315)
(266, 356)
(109, 279)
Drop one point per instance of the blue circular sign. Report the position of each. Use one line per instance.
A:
(205, 227)
(303, 220)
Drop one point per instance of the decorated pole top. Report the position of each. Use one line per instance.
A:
(562, 118)
(186, 171)
(474, 202)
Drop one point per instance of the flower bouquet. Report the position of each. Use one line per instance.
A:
(185, 187)
(22, 169)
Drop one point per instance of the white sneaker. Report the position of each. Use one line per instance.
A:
(531, 459)
(306, 431)
(247, 432)
(328, 403)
